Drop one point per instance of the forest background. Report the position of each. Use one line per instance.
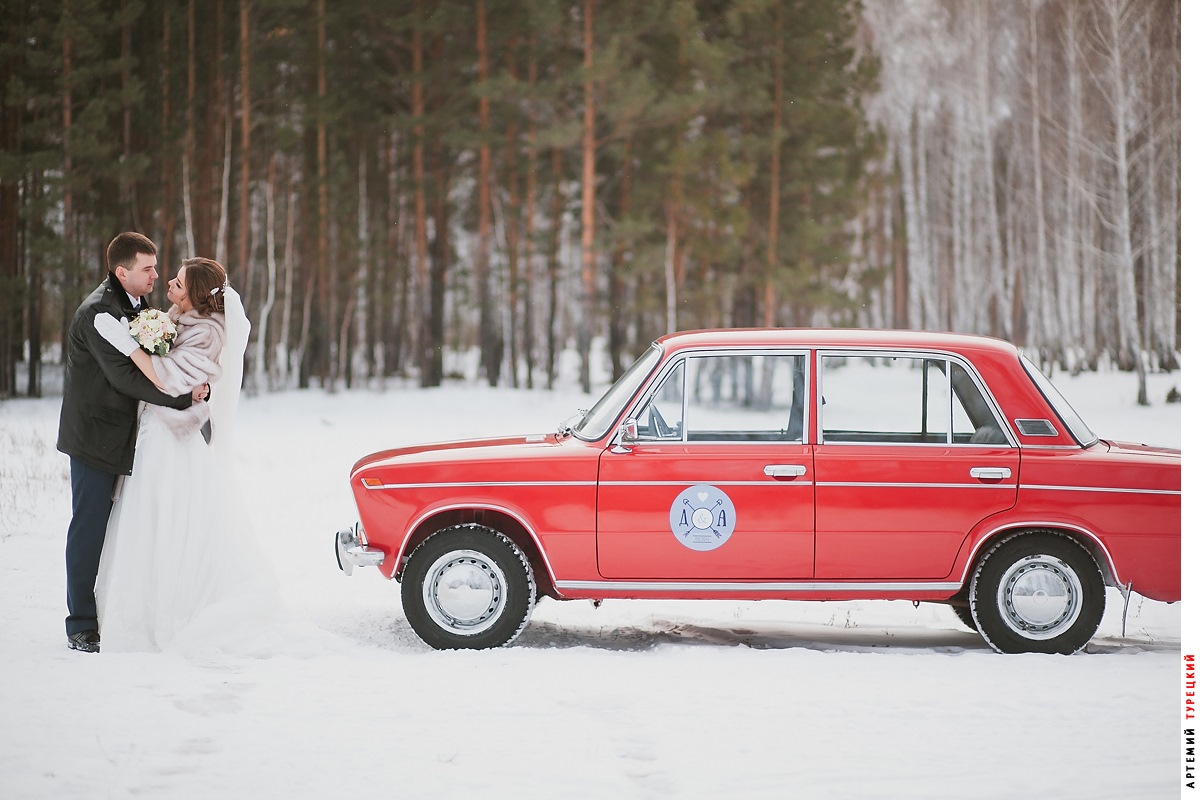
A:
(391, 182)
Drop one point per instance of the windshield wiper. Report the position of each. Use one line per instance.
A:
(565, 428)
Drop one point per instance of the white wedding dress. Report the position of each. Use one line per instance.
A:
(181, 569)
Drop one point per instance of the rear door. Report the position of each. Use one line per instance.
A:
(911, 455)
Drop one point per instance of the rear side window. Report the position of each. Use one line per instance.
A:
(897, 399)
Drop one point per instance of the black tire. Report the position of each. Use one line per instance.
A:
(964, 616)
(467, 587)
(1037, 592)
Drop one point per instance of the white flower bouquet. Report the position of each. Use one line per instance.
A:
(153, 330)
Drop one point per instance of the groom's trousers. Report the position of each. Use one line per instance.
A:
(91, 502)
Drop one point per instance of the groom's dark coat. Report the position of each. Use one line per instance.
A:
(102, 387)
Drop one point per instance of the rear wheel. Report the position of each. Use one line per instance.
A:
(467, 586)
(1037, 592)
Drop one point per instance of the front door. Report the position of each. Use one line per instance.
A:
(717, 484)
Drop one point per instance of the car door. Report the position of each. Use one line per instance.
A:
(717, 483)
(911, 455)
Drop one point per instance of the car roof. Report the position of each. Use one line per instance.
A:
(832, 338)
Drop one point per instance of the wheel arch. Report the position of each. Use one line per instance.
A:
(498, 518)
(1088, 540)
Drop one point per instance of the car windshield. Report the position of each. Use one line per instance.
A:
(1079, 429)
(599, 419)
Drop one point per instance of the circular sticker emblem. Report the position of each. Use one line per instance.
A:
(702, 517)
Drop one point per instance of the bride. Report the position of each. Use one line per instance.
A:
(180, 570)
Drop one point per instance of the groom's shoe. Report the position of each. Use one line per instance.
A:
(84, 641)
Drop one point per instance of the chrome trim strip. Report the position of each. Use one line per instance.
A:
(476, 484)
(558, 484)
(714, 483)
(884, 485)
(1111, 489)
(918, 444)
(696, 586)
(1050, 447)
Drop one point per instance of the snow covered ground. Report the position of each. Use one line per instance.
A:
(633, 699)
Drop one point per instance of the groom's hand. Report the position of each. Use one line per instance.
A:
(200, 393)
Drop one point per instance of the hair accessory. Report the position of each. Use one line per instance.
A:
(220, 288)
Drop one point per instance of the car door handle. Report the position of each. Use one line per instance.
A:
(991, 473)
(784, 470)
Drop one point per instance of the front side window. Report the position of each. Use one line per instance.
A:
(887, 399)
(729, 398)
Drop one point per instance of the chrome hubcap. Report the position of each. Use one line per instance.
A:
(464, 592)
(1040, 597)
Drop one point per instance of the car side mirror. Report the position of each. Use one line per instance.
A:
(627, 434)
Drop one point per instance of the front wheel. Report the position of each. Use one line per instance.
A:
(467, 587)
(1037, 592)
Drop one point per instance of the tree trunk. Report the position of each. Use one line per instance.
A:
(10, 224)
(439, 265)
(287, 365)
(223, 219)
(264, 313)
(1047, 335)
(359, 362)
(1071, 286)
(189, 145)
(512, 225)
(243, 233)
(768, 301)
(326, 298)
(553, 264)
(421, 290)
(125, 192)
(1128, 333)
(487, 338)
(72, 271)
(616, 280)
(530, 230)
(166, 213)
(588, 210)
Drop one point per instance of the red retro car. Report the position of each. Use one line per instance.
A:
(785, 464)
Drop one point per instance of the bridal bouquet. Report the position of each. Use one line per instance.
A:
(153, 330)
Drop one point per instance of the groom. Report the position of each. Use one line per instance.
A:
(98, 424)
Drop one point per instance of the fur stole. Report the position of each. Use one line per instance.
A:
(194, 359)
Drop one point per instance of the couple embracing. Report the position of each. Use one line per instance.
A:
(159, 554)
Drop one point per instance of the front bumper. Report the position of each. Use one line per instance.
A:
(351, 552)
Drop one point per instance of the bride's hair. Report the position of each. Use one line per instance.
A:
(206, 282)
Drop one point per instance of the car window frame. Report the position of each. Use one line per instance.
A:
(941, 355)
(1062, 408)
